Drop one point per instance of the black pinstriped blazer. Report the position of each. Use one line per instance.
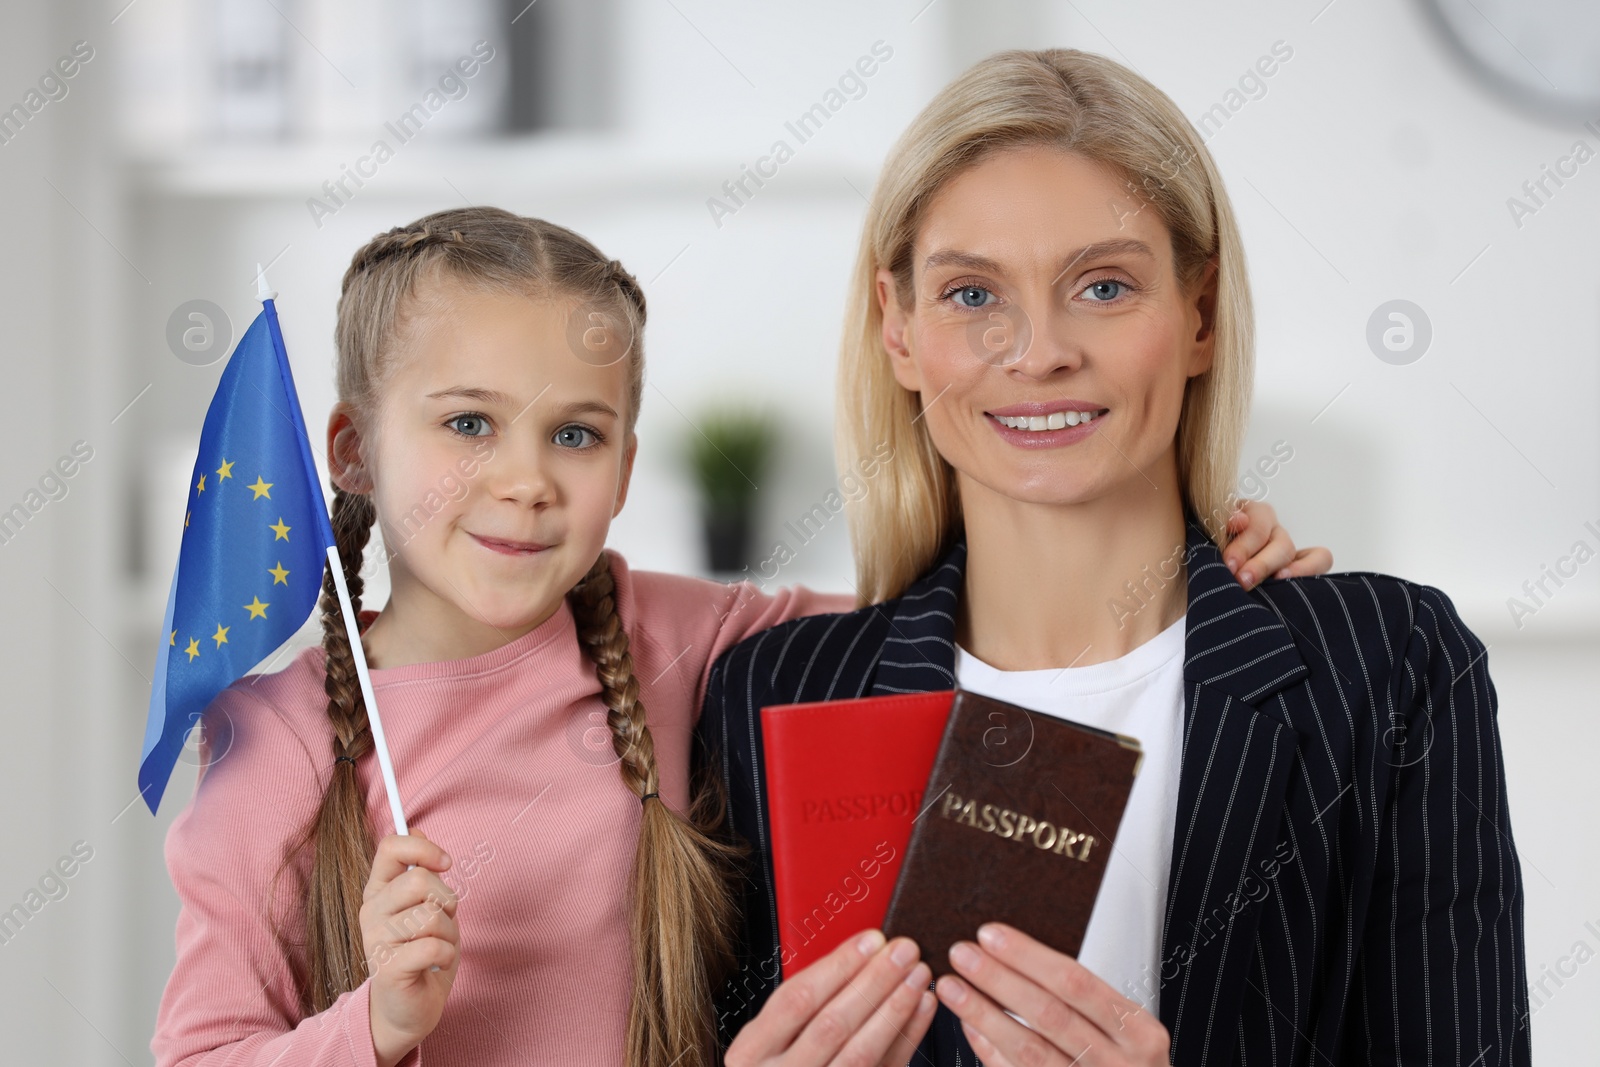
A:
(1344, 887)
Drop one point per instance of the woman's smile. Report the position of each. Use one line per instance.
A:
(1046, 425)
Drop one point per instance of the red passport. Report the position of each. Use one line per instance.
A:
(845, 779)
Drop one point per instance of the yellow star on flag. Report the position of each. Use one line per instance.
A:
(221, 636)
(225, 471)
(256, 608)
(193, 650)
(260, 489)
(174, 640)
(278, 574)
(202, 484)
(280, 529)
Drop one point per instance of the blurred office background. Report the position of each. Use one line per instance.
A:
(1375, 152)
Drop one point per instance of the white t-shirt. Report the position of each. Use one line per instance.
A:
(1141, 695)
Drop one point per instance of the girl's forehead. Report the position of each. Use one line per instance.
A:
(505, 342)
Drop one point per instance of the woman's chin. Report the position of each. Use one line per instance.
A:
(1045, 487)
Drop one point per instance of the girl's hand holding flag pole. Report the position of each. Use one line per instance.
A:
(256, 535)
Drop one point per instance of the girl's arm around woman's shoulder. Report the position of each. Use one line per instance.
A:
(232, 996)
(679, 625)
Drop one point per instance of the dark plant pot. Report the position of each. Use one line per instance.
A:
(727, 536)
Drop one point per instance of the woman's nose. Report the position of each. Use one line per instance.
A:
(1046, 343)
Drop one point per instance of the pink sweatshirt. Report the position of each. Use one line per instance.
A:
(505, 761)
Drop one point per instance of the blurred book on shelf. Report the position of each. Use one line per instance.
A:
(240, 72)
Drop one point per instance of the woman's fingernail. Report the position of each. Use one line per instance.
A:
(904, 953)
(991, 936)
(1282, 574)
(870, 942)
(1233, 566)
(954, 989)
(1245, 578)
(964, 956)
(918, 978)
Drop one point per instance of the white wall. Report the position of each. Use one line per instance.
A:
(1373, 168)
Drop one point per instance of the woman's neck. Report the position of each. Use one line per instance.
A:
(1066, 586)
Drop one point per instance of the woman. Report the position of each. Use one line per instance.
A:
(1051, 328)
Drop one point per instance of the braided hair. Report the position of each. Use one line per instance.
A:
(682, 907)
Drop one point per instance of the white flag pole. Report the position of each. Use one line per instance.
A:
(351, 627)
(353, 630)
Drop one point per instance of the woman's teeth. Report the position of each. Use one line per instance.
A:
(1054, 421)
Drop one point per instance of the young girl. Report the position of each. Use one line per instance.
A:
(489, 379)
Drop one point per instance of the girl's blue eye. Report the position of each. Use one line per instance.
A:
(575, 436)
(1101, 284)
(479, 421)
(972, 296)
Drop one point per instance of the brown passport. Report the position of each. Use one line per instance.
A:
(1021, 813)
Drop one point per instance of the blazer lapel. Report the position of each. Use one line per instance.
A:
(919, 655)
(1237, 753)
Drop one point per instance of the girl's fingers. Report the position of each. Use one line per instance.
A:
(1258, 522)
(1273, 556)
(392, 919)
(413, 924)
(862, 998)
(798, 999)
(1307, 563)
(416, 888)
(911, 1032)
(414, 958)
(396, 853)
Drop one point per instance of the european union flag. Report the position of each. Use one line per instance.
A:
(255, 537)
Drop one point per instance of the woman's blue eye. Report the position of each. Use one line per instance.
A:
(1100, 285)
(470, 421)
(575, 437)
(972, 296)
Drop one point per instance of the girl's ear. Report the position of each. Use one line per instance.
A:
(896, 331)
(346, 467)
(627, 474)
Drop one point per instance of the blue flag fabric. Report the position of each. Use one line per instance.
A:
(255, 538)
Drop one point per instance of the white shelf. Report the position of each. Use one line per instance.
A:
(539, 165)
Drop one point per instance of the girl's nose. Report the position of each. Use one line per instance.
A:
(519, 474)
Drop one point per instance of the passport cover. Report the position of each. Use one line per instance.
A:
(1022, 810)
(845, 779)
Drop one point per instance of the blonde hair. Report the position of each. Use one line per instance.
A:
(682, 907)
(1091, 106)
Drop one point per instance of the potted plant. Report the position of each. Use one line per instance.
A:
(729, 452)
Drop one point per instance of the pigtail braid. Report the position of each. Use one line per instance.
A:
(341, 832)
(683, 909)
(631, 290)
(401, 240)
